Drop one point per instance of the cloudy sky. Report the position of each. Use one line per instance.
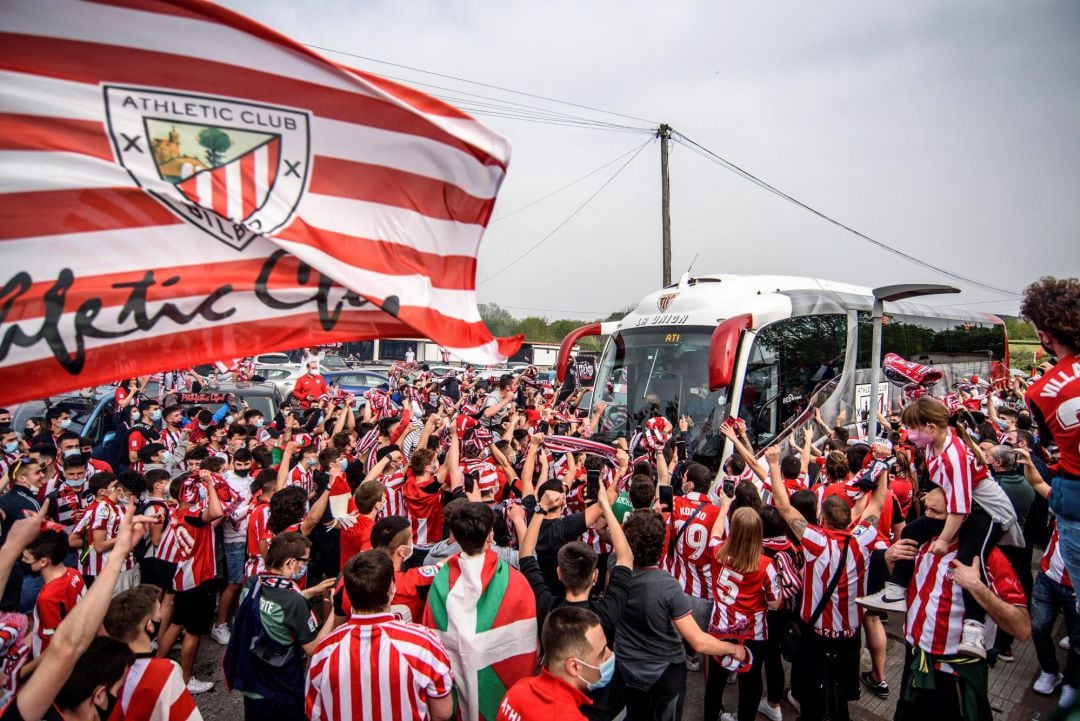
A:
(947, 129)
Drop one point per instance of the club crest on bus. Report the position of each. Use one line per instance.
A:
(665, 300)
(231, 168)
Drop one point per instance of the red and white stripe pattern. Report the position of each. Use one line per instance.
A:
(1052, 564)
(394, 485)
(935, 615)
(741, 600)
(570, 444)
(377, 667)
(395, 191)
(102, 515)
(154, 690)
(176, 543)
(822, 549)
(238, 188)
(692, 565)
(954, 471)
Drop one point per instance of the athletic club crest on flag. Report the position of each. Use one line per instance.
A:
(234, 169)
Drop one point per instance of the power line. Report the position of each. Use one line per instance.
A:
(728, 165)
(482, 84)
(542, 198)
(570, 217)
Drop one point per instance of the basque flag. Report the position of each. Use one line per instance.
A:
(179, 184)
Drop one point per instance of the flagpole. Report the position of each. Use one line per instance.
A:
(664, 133)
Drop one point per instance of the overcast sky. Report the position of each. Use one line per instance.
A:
(947, 129)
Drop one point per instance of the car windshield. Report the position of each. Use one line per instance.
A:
(660, 372)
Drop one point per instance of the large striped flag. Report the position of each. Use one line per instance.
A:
(179, 184)
(485, 613)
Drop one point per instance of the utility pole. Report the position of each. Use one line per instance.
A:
(664, 133)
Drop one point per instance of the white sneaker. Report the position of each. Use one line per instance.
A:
(890, 598)
(971, 640)
(220, 633)
(774, 714)
(1046, 683)
(195, 686)
(1064, 643)
(729, 717)
(1067, 697)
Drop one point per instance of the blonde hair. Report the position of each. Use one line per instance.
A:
(742, 551)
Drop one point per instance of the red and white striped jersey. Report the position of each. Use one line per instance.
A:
(1052, 564)
(394, 483)
(300, 476)
(692, 565)
(954, 471)
(741, 600)
(201, 565)
(821, 550)
(935, 615)
(101, 515)
(154, 690)
(174, 442)
(257, 531)
(377, 667)
(54, 603)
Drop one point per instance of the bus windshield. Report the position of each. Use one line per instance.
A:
(652, 371)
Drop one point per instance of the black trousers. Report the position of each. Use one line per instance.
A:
(660, 702)
(978, 536)
(261, 709)
(825, 676)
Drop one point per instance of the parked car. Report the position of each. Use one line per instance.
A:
(274, 359)
(333, 362)
(357, 381)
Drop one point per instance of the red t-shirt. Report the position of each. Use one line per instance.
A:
(54, 603)
(1054, 400)
(424, 508)
(542, 698)
(356, 539)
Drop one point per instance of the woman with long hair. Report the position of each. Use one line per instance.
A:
(745, 586)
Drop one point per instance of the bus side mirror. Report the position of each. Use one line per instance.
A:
(724, 348)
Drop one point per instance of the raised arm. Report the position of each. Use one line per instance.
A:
(744, 452)
(781, 501)
(283, 467)
(1031, 473)
(528, 470)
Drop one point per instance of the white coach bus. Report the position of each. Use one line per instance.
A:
(770, 349)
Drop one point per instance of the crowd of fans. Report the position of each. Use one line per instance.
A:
(460, 545)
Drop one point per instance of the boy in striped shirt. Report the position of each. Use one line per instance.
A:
(394, 671)
(154, 687)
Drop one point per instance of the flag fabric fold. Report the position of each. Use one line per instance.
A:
(485, 614)
(181, 184)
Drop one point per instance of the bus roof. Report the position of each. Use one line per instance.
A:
(709, 299)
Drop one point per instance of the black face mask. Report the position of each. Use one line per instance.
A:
(242, 472)
(111, 701)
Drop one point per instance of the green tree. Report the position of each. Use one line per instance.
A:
(216, 141)
(1018, 328)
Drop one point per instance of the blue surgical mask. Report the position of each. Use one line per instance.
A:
(10, 448)
(155, 416)
(344, 463)
(65, 423)
(71, 452)
(300, 572)
(77, 483)
(607, 672)
(258, 423)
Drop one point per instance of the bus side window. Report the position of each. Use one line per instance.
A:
(790, 358)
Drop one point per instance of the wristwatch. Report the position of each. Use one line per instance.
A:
(539, 509)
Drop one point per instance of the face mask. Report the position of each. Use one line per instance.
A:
(71, 452)
(920, 439)
(229, 420)
(1001, 424)
(10, 448)
(77, 483)
(344, 463)
(606, 669)
(204, 426)
(110, 704)
(167, 457)
(65, 423)
(300, 572)
(155, 416)
(242, 472)
(312, 373)
(309, 462)
(258, 423)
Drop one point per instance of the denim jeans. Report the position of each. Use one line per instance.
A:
(1049, 597)
(1065, 504)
